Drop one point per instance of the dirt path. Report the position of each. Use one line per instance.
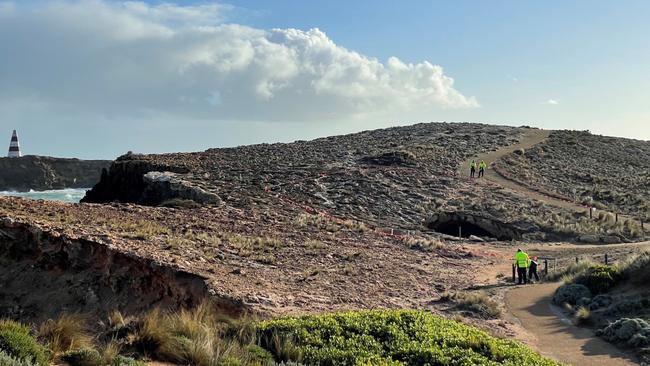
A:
(553, 335)
(530, 138)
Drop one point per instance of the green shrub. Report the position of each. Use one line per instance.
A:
(7, 360)
(259, 355)
(16, 341)
(393, 337)
(126, 361)
(83, 357)
(598, 278)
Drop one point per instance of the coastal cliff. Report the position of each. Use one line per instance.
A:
(41, 173)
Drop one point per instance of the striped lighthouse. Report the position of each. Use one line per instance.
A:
(14, 146)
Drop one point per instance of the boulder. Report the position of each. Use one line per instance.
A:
(591, 239)
(611, 239)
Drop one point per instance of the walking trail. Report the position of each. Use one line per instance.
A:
(529, 139)
(553, 335)
(538, 323)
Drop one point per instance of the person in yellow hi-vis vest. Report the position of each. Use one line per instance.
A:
(481, 168)
(472, 169)
(522, 261)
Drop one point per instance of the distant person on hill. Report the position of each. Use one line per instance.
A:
(472, 169)
(521, 262)
(532, 271)
(481, 168)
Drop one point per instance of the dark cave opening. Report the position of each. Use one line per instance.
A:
(458, 227)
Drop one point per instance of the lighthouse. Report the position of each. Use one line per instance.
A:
(14, 146)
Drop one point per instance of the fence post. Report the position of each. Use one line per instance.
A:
(591, 212)
(616, 220)
(577, 260)
(545, 267)
(606, 259)
(460, 231)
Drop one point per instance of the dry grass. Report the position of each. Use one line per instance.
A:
(315, 244)
(582, 316)
(200, 336)
(476, 302)
(68, 332)
(569, 273)
(329, 224)
(425, 244)
(136, 229)
(258, 248)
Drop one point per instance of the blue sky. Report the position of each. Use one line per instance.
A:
(97, 78)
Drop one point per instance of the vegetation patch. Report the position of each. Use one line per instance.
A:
(16, 341)
(389, 337)
(598, 278)
(8, 360)
(478, 303)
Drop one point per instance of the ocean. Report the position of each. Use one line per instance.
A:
(65, 195)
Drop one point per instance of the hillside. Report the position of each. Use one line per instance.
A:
(604, 171)
(399, 178)
(41, 173)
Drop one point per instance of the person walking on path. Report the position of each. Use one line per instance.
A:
(532, 270)
(521, 262)
(481, 168)
(472, 169)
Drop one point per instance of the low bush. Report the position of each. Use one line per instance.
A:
(17, 342)
(598, 278)
(571, 294)
(633, 332)
(83, 357)
(394, 337)
(8, 360)
(126, 361)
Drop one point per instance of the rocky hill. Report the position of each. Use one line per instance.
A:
(402, 178)
(41, 173)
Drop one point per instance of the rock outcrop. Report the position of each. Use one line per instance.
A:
(41, 173)
(50, 272)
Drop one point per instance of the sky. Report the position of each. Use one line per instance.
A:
(98, 78)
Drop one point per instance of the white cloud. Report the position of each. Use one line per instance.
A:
(551, 102)
(126, 59)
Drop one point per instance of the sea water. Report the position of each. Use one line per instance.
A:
(65, 195)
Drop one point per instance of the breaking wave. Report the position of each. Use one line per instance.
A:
(65, 195)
